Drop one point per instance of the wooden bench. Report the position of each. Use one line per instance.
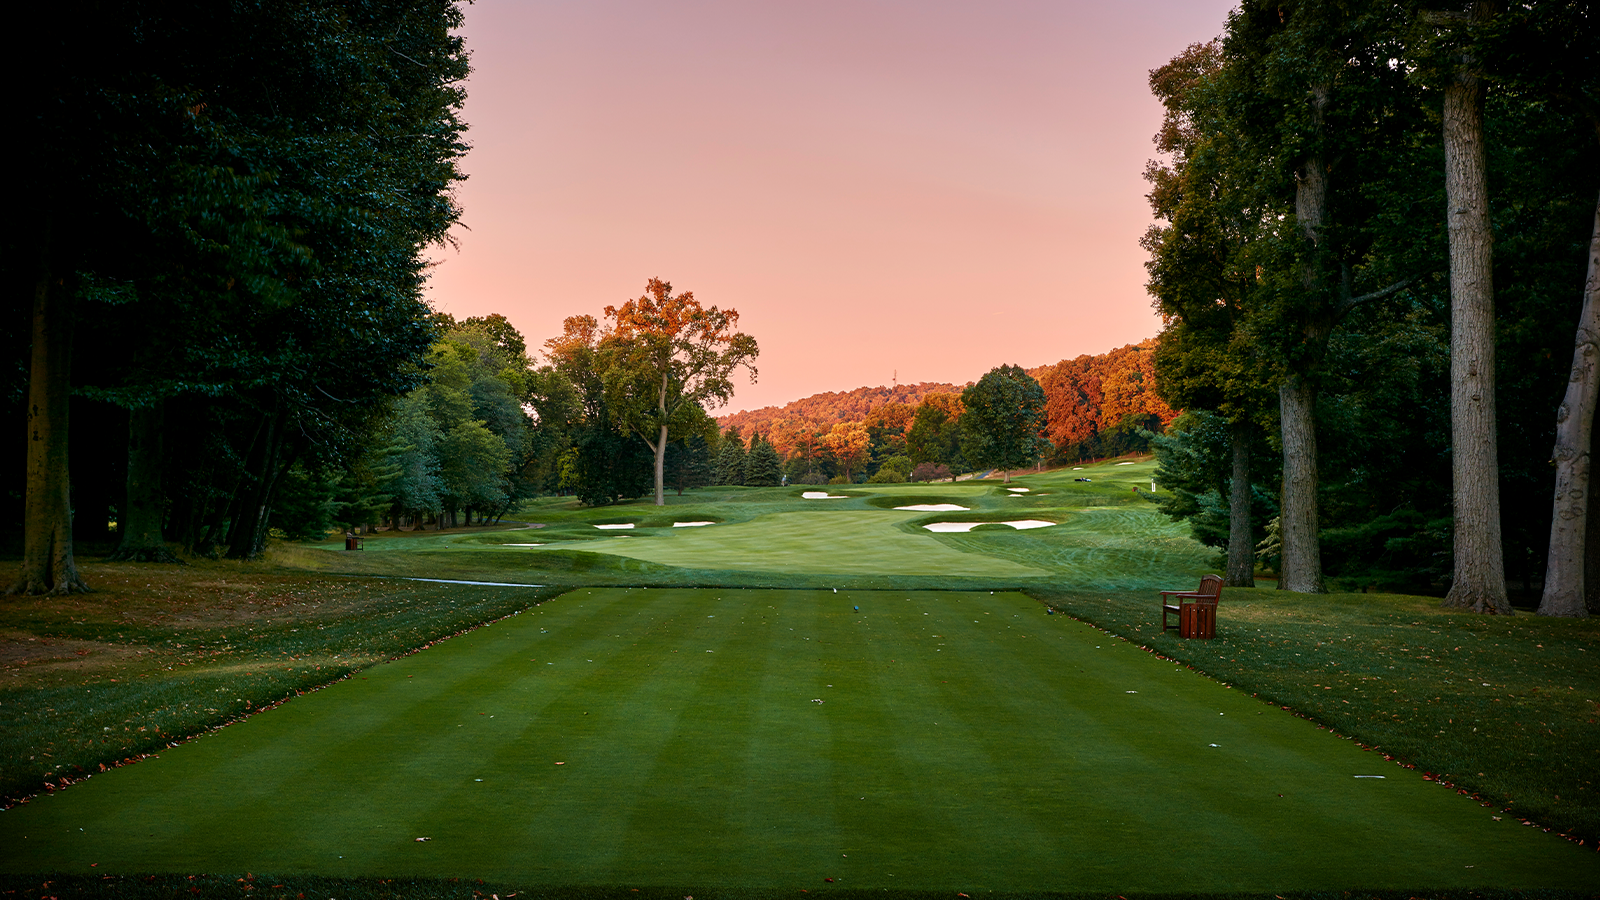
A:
(1203, 602)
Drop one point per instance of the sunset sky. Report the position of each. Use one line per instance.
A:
(911, 190)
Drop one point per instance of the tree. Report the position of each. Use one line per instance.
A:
(850, 444)
(1002, 420)
(1315, 109)
(935, 432)
(731, 458)
(762, 468)
(1480, 581)
(666, 355)
(1200, 282)
(1552, 50)
(242, 200)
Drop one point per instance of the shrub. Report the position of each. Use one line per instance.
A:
(930, 472)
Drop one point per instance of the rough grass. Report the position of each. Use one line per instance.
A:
(159, 653)
(1505, 709)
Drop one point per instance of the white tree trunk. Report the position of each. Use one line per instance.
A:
(1564, 588)
(1480, 581)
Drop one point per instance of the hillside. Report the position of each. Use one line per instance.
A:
(832, 407)
(1087, 400)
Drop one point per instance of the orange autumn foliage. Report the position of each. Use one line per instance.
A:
(1083, 396)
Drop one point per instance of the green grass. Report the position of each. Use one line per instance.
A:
(1504, 709)
(964, 741)
(773, 537)
(169, 659)
(180, 651)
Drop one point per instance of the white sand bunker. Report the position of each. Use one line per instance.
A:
(823, 495)
(935, 507)
(691, 524)
(522, 545)
(1020, 525)
(1018, 490)
(612, 527)
(1125, 464)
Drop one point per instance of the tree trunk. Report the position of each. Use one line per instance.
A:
(1301, 570)
(142, 511)
(1241, 543)
(660, 448)
(247, 535)
(1564, 583)
(1480, 581)
(48, 566)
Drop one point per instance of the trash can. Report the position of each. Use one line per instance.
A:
(351, 542)
(1197, 620)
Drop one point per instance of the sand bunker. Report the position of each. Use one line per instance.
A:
(1020, 525)
(522, 545)
(934, 507)
(823, 495)
(611, 527)
(1019, 490)
(691, 524)
(1125, 464)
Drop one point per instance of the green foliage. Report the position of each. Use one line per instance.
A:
(894, 470)
(1002, 420)
(762, 468)
(935, 436)
(731, 459)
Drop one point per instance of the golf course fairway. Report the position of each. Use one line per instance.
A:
(775, 739)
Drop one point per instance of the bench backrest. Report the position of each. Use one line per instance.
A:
(1211, 586)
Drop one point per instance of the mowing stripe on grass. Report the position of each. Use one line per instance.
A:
(963, 741)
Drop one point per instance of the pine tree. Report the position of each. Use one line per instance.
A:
(762, 467)
(730, 462)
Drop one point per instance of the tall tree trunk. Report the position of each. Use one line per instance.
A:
(245, 537)
(660, 450)
(1564, 582)
(140, 527)
(1480, 580)
(1241, 543)
(48, 566)
(1301, 570)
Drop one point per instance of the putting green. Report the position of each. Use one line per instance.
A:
(825, 542)
(658, 737)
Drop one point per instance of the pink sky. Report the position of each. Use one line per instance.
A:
(912, 190)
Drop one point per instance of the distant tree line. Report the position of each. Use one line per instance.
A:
(1378, 234)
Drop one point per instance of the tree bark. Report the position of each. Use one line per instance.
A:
(48, 566)
(1241, 545)
(1301, 569)
(142, 510)
(660, 450)
(1480, 582)
(1564, 582)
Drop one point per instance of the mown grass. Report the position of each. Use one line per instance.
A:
(1536, 742)
(243, 885)
(1108, 536)
(801, 739)
(1505, 708)
(160, 653)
